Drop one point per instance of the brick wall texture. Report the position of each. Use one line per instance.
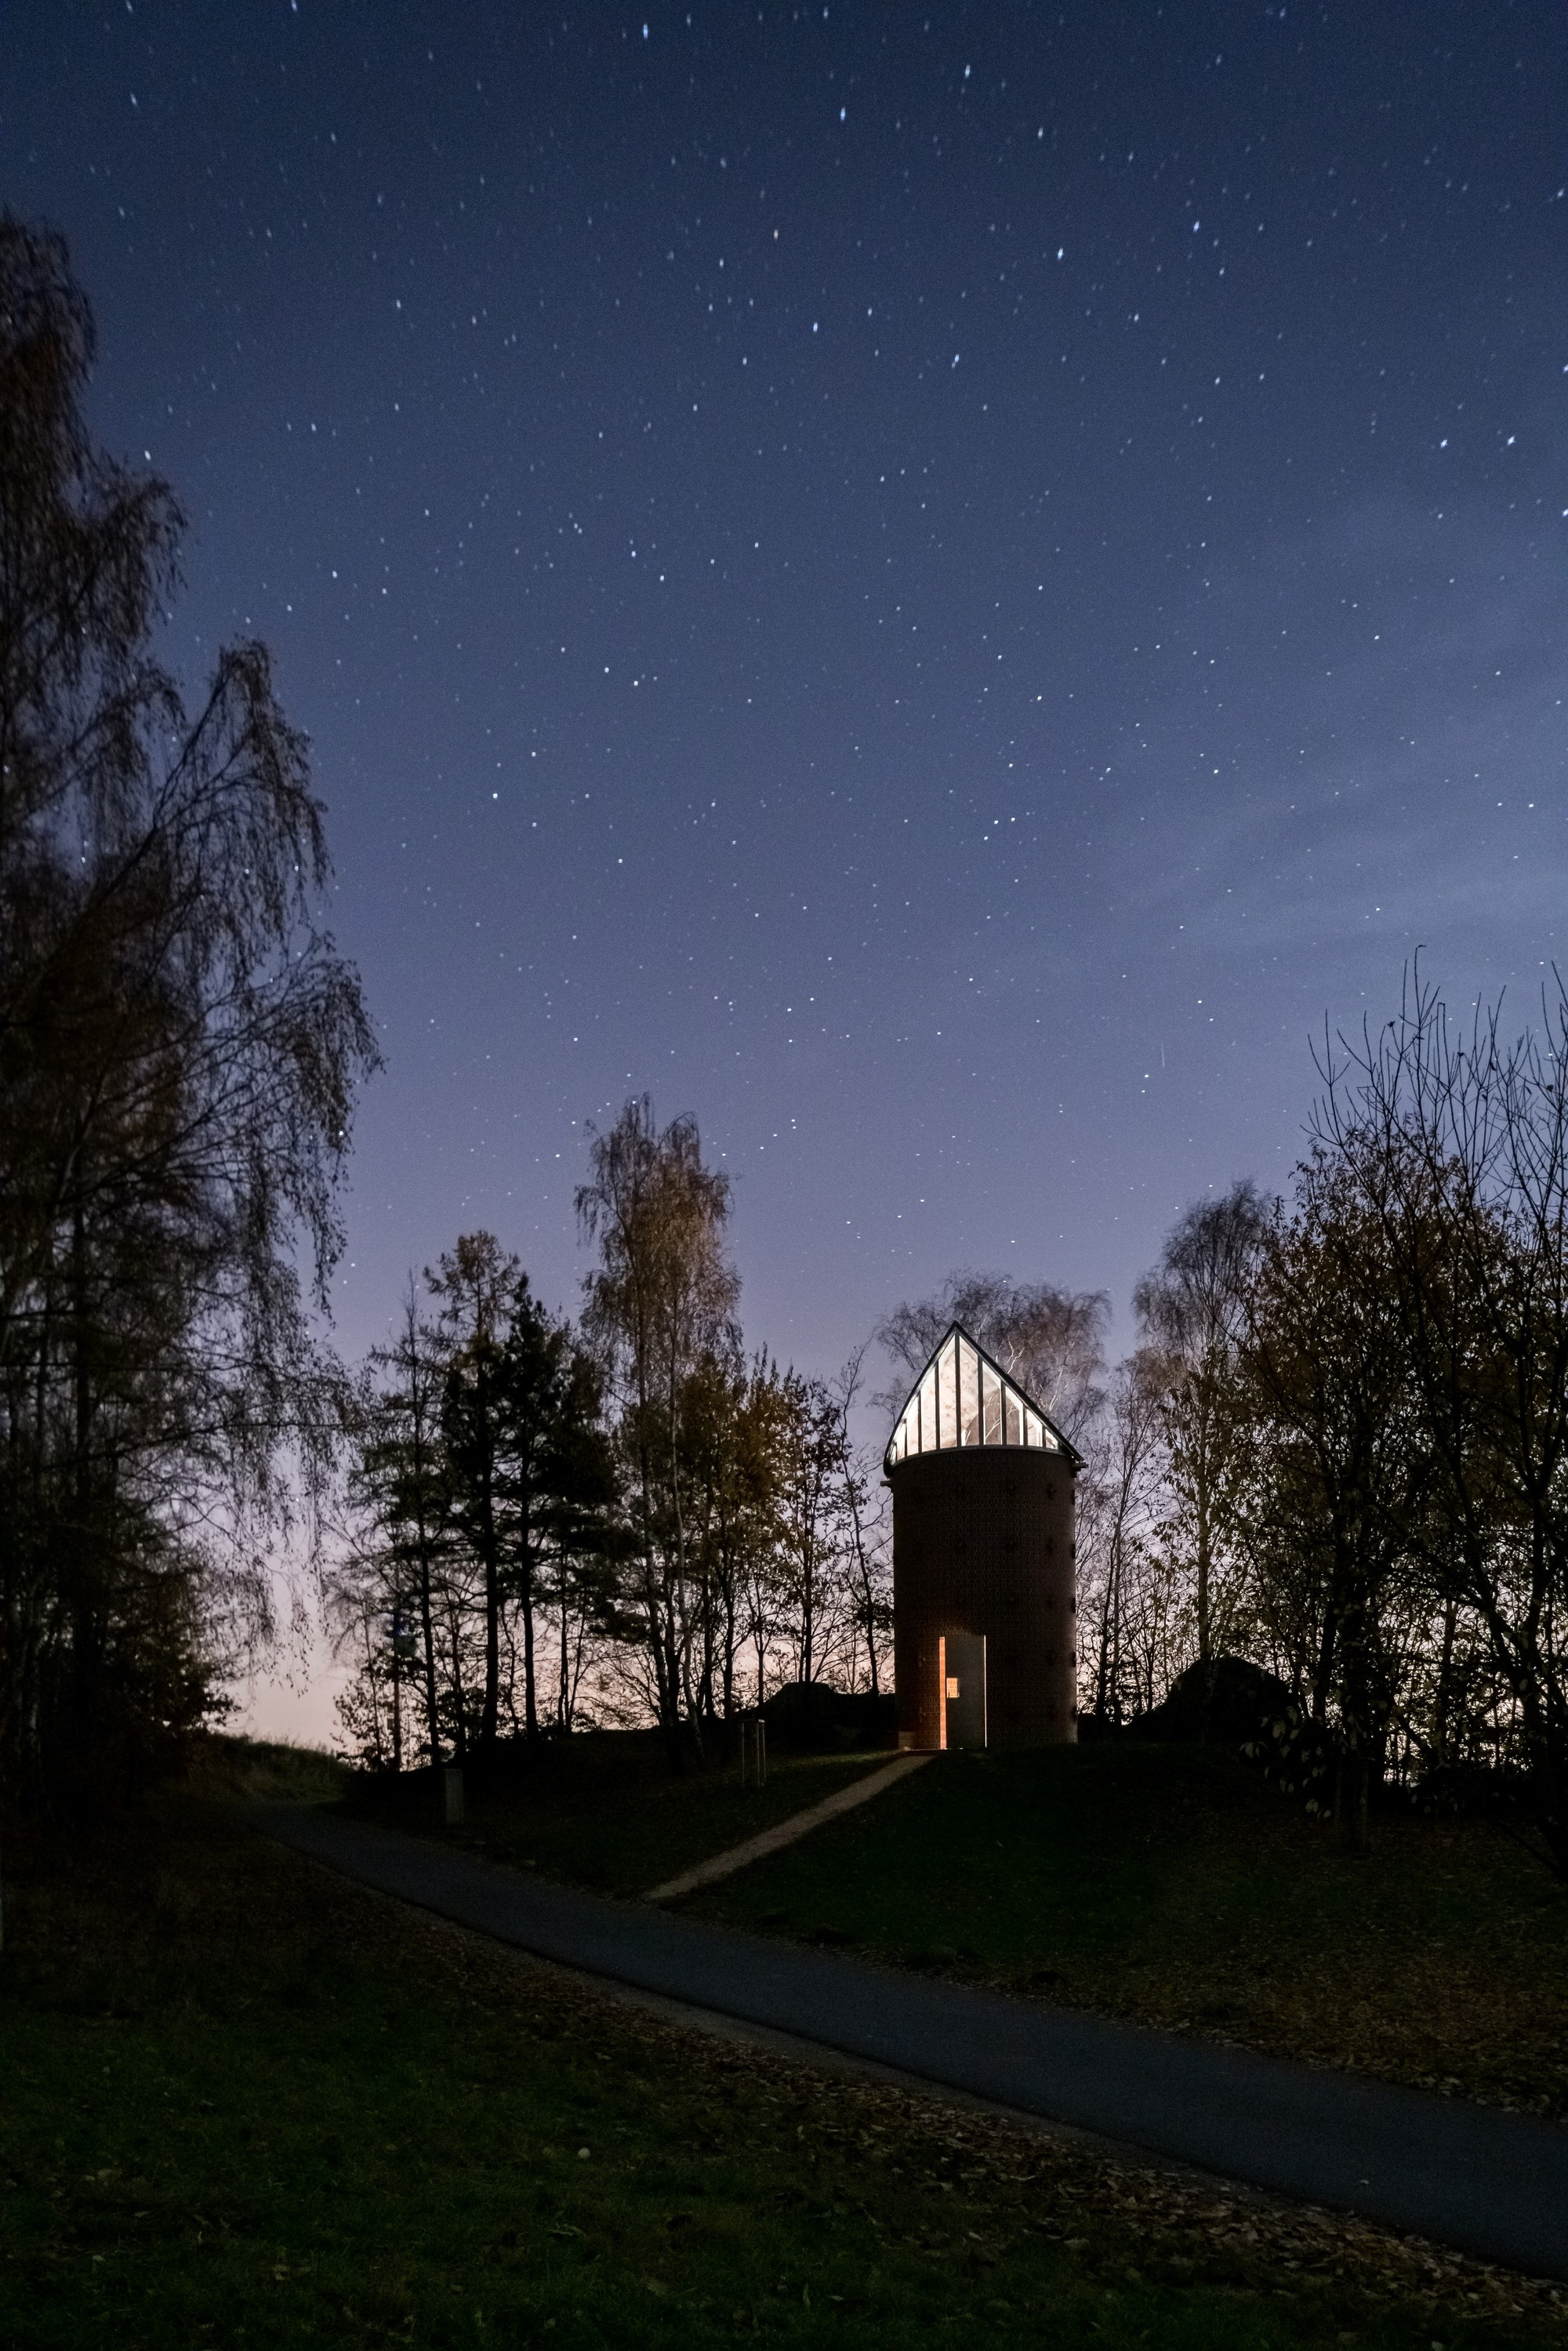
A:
(983, 1542)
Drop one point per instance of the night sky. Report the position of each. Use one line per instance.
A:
(933, 589)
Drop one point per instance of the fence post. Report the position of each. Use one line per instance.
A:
(453, 1776)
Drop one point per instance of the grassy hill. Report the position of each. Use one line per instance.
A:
(1171, 1884)
(606, 1811)
(1168, 1883)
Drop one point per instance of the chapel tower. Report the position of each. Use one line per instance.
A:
(984, 1587)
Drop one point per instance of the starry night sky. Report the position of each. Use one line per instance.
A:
(933, 589)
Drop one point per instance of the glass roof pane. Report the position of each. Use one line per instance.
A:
(947, 1394)
(962, 1398)
(925, 1399)
(968, 1394)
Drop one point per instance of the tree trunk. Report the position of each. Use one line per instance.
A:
(530, 1704)
(1352, 1803)
(427, 1628)
(1441, 1704)
(459, 1695)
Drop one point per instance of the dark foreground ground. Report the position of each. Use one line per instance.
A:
(246, 2103)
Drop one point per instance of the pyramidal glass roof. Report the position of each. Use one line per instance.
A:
(963, 1398)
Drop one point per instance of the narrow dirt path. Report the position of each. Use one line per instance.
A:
(789, 1831)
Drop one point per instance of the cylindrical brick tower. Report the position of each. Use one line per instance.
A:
(984, 1597)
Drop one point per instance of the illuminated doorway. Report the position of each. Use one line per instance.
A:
(961, 1663)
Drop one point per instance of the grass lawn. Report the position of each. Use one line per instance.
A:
(245, 2102)
(1171, 1884)
(606, 1811)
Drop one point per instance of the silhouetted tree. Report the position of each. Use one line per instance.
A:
(1193, 1308)
(476, 1283)
(1456, 1147)
(400, 1498)
(861, 1488)
(1338, 1474)
(485, 1497)
(812, 1548)
(732, 1414)
(578, 1525)
(553, 1469)
(662, 1301)
(1123, 1578)
(180, 1045)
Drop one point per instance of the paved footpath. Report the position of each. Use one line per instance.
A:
(1495, 2184)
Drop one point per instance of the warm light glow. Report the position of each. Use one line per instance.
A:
(962, 1398)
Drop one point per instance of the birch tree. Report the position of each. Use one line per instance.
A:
(1193, 1309)
(661, 1302)
(180, 1049)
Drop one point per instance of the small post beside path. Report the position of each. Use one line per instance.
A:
(754, 1749)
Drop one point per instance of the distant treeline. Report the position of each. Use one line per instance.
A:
(1341, 1450)
(633, 1521)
